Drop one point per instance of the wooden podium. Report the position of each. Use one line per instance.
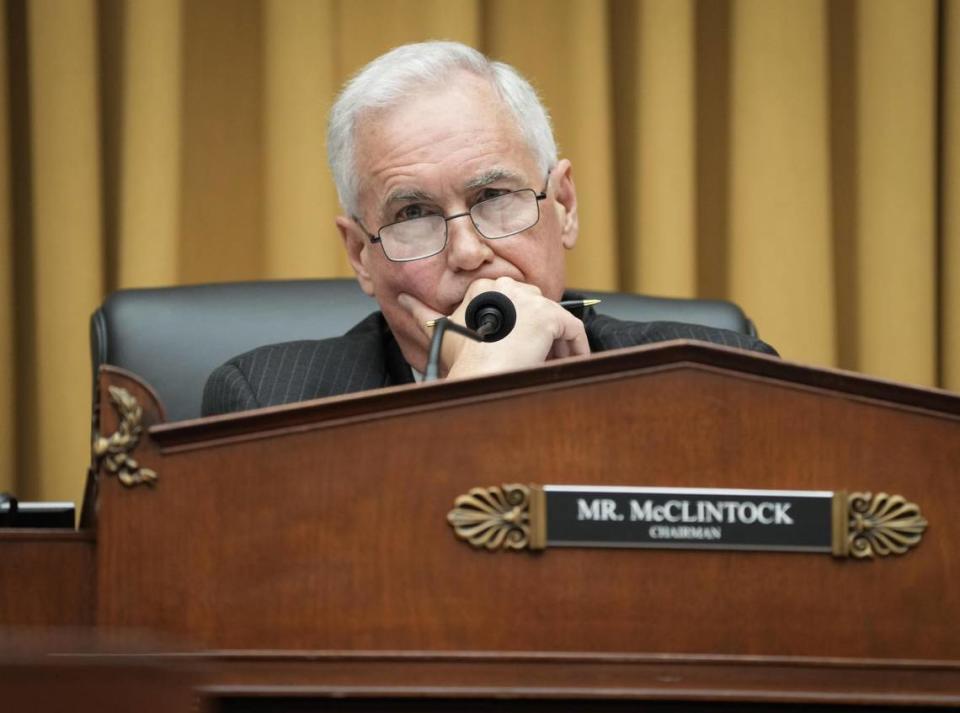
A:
(305, 552)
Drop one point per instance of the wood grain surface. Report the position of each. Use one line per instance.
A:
(46, 578)
(322, 526)
(588, 680)
(88, 684)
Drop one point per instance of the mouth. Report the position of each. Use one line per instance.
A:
(448, 310)
(451, 298)
(459, 294)
(448, 307)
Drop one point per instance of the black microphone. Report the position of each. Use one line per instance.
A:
(491, 315)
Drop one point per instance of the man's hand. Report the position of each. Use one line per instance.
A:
(544, 330)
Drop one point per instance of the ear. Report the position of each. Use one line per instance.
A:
(565, 193)
(358, 248)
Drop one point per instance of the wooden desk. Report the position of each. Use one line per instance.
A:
(46, 578)
(304, 552)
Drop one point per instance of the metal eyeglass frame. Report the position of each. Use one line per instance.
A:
(374, 239)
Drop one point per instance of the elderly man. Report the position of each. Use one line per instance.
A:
(447, 171)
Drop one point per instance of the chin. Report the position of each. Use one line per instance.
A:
(415, 356)
(413, 342)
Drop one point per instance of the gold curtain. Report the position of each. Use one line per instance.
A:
(801, 157)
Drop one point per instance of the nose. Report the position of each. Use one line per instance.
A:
(466, 248)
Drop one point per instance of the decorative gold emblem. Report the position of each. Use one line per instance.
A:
(114, 450)
(513, 517)
(882, 524)
(500, 518)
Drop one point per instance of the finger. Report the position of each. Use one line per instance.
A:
(573, 335)
(560, 350)
(421, 313)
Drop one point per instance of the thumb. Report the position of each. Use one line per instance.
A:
(420, 312)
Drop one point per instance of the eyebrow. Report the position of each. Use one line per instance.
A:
(491, 176)
(407, 194)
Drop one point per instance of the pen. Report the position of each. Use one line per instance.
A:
(566, 304)
(574, 304)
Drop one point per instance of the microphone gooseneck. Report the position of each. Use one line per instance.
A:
(440, 327)
(491, 315)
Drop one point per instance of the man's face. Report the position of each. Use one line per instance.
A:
(442, 152)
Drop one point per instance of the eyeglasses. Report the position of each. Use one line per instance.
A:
(494, 218)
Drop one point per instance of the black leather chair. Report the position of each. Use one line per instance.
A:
(173, 337)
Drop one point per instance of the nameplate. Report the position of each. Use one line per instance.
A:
(535, 517)
(689, 518)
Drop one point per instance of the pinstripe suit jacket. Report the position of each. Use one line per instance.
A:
(368, 357)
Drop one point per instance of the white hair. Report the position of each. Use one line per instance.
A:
(394, 76)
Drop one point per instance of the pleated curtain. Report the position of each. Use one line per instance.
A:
(800, 157)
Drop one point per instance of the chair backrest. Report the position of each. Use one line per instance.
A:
(174, 337)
